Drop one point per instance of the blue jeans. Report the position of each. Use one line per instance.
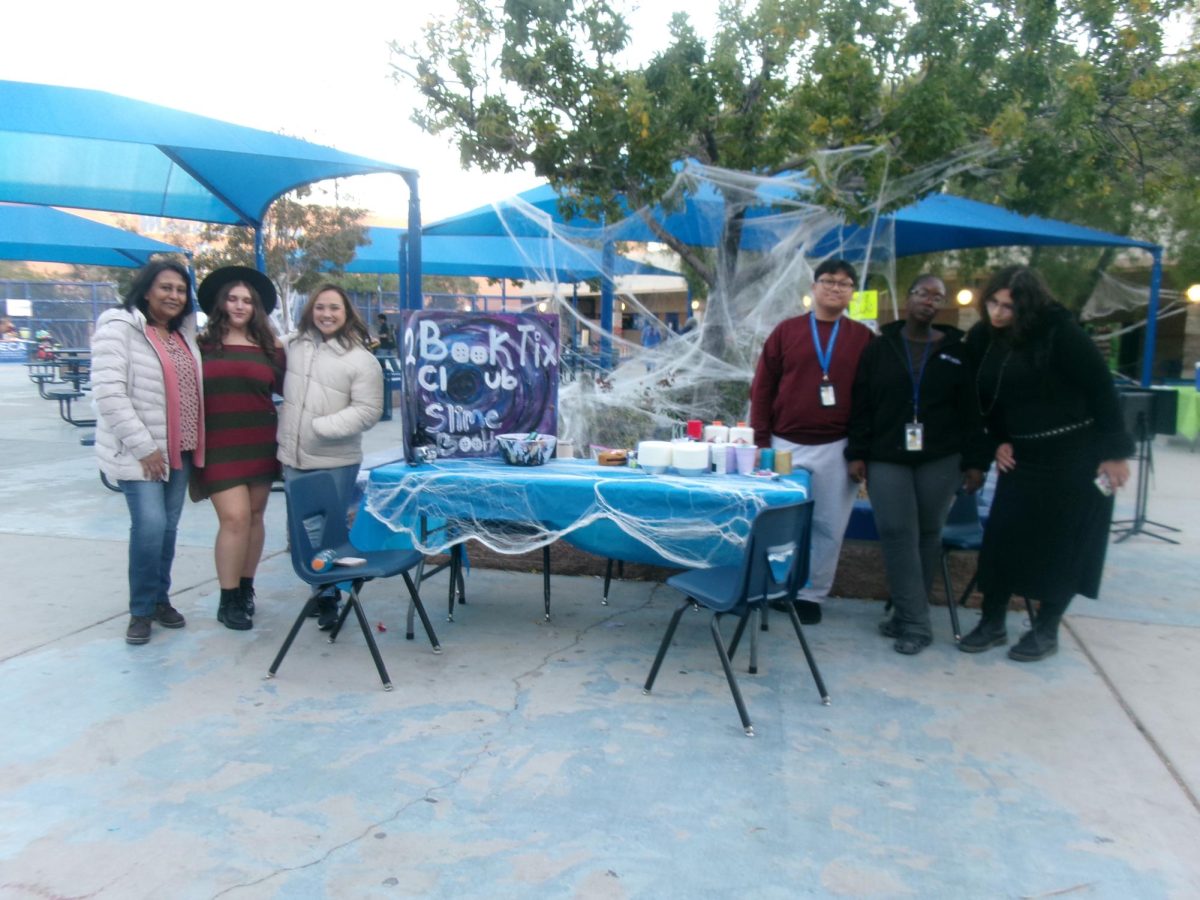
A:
(154, 509)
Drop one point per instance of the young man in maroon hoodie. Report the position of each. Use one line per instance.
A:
(800, 404)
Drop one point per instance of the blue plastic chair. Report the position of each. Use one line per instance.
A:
(774, 566)
(312, 495)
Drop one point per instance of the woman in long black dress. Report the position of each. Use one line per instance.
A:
(1061, 447)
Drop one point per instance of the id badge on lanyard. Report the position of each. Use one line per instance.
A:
(914, 437)
(828, 398)
(824, 359)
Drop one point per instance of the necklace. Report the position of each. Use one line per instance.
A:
(999, 377)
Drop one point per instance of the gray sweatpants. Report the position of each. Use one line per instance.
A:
(910, 505)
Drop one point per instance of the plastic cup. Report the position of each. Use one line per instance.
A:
(766, 459)
(745, 458)
(695, 429)
(783, 462)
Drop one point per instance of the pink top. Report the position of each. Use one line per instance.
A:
(182, 382)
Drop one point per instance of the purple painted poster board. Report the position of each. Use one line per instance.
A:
(471, 376)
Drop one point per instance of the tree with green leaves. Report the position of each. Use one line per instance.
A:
(304, 244)
(1069, 109)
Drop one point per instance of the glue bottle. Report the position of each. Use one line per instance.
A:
(324, 560)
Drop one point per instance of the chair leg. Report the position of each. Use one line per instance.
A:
(950, 604)
(408, 619)
(737, 635)
(666, 642)
(341, 620)
(715, 627)
(455, 565)
(546, 579)
(415, 602)
(812, 663)
(309, 606)
(608, 569)
(962, 598)
(355, 604)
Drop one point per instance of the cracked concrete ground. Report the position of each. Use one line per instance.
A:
(525, 761)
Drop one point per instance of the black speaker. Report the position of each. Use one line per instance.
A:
(1148, 411)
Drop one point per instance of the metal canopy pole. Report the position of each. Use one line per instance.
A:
(1152, 318)
(415, 299)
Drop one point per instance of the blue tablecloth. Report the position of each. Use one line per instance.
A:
(613, 512)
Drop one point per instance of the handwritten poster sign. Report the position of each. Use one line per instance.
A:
(471, 376)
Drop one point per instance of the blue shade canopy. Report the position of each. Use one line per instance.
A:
(62, 146)
(935, 223)
(42, 234)
(527, 259)
(944, 222)
(696, 218)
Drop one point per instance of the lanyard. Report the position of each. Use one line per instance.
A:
(824, 356)
(916, 377)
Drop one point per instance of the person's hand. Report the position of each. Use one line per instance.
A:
(154, 466)
(857, 470)
(1004, 458)
(972, 480)
(1117, 471)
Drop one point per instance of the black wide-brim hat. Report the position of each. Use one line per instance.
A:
(211, 286)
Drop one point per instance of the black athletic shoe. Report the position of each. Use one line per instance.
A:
(984, 636)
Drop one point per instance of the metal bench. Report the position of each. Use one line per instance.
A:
(65, 397)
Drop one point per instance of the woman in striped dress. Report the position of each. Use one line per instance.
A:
(244, 365)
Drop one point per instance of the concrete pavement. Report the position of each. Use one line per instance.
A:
(525, 761)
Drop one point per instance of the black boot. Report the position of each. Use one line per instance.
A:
(247, 589)
(990, 632)
(232, 610)
(1041, 640)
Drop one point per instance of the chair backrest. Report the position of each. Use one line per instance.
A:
(777, 553)
(312, 497)
(965, 510)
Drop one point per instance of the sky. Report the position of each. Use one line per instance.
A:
(314, 71)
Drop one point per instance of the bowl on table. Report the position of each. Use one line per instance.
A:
(530, 449)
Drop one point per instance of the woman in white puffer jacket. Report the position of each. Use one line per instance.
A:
(332, 393)
(150, 427)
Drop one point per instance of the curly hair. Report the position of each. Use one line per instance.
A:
(353, 331)
(258, 329)
(1031, 299)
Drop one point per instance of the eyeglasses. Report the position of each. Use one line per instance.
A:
(836, 284)
(935, 297)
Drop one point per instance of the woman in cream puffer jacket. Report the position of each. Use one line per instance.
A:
(150, 427)
(332, 393)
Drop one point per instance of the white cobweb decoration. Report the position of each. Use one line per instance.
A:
(704, 373)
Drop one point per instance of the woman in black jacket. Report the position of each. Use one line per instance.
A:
(914, 432)
(1052, 415)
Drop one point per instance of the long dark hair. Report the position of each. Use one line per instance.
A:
(354, 331)
(135, 297)
(1031, 299)
(258, 329)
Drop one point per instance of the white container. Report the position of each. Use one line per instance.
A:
(654, 456)
(716, 434)
(691, 458)
(741, 434)
(565, 450)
